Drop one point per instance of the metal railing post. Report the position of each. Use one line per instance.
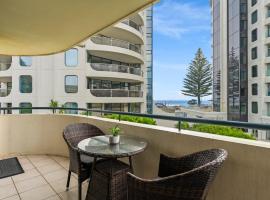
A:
(179, 126)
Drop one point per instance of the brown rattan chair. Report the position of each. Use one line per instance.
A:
(185, 178)
(79, 164)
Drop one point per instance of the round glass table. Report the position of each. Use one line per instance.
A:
(109, 170)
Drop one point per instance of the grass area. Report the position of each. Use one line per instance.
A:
(141, 120)
(216, 129)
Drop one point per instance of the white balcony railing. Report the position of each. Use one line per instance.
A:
(116, 68)
(4, 92)
(116, 93)
(4, 66)
(133, 25)
(116, 42)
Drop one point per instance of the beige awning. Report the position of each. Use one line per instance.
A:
(40, 27)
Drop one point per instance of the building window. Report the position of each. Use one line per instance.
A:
(134, 107)
(243, 109)
(27, 108)
(254, 89)
(254, 17)
(114, 106)
(268, 69)
(268, 12)
(254, 108)
(73, 105)
(268, 31)
(71, 84)
(254, 35)
(25, 61)
(71, 57)
(268, 51)
(254, 72)
(25, 84)
(254, 53)
(268, 89)
(253, 2)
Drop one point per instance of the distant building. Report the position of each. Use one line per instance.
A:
(111, 71)
(241, 60)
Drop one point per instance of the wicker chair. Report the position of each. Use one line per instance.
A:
(185, 178)
(79, 163)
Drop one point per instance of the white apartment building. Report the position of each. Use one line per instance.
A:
(111, 71)
(241, 60)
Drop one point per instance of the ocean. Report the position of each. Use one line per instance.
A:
(179, 102)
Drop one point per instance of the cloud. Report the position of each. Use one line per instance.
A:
(176, 18)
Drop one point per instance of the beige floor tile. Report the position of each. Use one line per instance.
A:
(73, 194)
(56, 175)
(24, 160)
(6, 181)
(60, 185)
(37, 157)
(26, 175)
(29, 184)
(16, 197)
(49, 168)
(43, 162)
(59, 158)
(64, 163)
(27, 166)
(39, 193)
(56, 197)
(7, 191)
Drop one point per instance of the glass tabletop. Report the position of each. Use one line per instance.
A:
(99, 146)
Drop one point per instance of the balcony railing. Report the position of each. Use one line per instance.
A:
(133, 25)
(116, 68)
(4, 66)
(4, 92)
(116, 42)
(116, 93)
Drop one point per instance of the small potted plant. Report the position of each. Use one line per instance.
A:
(115, 137)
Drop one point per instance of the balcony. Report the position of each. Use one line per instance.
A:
(5, 92)
(244, 175)
(133, 25)
(117, 43)
(115, 93)
(116, 68)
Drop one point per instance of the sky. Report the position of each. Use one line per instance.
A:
(180, 28)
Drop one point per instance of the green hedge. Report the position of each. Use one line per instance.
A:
(141, 120)
(216, 129)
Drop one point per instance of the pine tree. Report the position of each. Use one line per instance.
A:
(198, 81)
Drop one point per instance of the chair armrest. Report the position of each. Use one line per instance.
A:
(170, 166)
(174, 187)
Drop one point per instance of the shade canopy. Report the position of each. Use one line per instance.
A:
(40, 27)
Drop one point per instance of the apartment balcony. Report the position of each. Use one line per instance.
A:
(4, 92)
(43, 153)
(112, 48)
(117, 43)
(116, 68)
(133, 25)
(115, 93)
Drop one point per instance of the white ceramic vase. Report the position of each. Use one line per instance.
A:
(114, 139)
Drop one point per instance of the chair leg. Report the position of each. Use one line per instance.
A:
(68, 180)
(79, 190)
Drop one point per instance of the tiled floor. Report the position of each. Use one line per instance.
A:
(44, 178)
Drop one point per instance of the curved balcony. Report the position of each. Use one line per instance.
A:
(116, 93)
(133, 25)
(116, 68)
(5, 62)
(117, 43)
(4, 92)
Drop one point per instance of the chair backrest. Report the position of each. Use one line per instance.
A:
(171, 166)
(74, 133)
(195, 172)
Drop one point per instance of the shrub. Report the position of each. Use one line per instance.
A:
(216, 129)
(129, 118)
